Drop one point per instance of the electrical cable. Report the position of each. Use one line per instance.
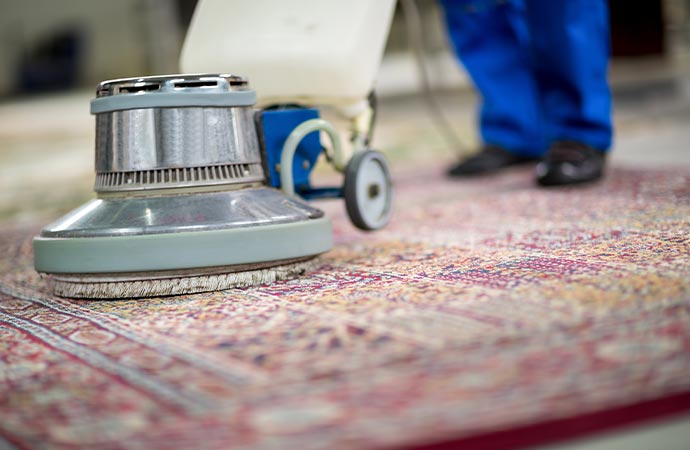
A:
(415, 30)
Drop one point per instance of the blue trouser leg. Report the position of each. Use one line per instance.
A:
(570, 53)
(540, 67)
(492, 41)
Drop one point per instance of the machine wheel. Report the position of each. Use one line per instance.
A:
(368, 190)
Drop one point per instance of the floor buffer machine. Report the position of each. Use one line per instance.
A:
(203, 179)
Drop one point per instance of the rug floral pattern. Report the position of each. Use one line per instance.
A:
(486, 304)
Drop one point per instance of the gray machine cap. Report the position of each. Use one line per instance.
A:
(164, 92)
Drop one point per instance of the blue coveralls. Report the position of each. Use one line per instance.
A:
(540, 66)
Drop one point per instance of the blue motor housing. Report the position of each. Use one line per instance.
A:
(367, 183)
(276, 126)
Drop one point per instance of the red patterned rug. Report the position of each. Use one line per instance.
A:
(490, 313)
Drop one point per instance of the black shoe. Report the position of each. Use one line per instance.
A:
(570, 162)
(489, 159)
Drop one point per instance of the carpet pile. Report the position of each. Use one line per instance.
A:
(489, 313)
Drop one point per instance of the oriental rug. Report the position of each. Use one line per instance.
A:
(490, 313)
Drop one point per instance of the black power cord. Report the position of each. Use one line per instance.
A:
(415, 37)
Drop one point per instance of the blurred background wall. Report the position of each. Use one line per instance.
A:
(47, 45)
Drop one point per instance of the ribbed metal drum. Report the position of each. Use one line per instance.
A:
(175, 131)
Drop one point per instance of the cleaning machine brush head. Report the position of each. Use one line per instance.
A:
(183, 204)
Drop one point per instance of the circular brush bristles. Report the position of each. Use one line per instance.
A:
(179, 285)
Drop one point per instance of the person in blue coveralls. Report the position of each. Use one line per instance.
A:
(541, 69)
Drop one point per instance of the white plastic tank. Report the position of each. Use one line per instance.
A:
(316, 52)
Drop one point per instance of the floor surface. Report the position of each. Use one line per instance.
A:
(488, 307)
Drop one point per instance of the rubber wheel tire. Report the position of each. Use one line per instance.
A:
(368, 166)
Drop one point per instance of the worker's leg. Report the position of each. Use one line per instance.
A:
(491, 39)
(570, 52)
